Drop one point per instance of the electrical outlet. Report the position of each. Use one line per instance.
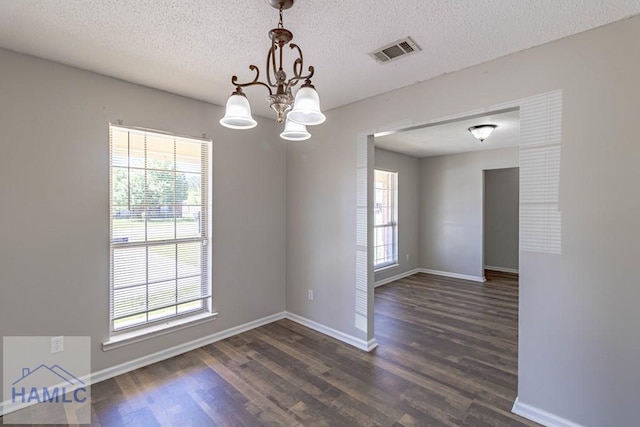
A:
(310, 295)
(57, 344)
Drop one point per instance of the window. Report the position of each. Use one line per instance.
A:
(160, 223)
(385, 216)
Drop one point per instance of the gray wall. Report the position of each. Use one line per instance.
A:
(321, 228)
(578, 349)
(54, 193)
(408, 169)
(440, 209)
(451, 209)
(501, 218)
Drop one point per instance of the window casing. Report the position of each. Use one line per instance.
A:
(160, 227)
(385, 216)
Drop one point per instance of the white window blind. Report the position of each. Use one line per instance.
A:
(159, 227)
(385, 216)
(540, 148)
(362, 232)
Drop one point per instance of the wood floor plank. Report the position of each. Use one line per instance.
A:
(259, 404)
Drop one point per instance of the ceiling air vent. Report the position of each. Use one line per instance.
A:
(395, 50)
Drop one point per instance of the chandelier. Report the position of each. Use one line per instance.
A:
(296, 113)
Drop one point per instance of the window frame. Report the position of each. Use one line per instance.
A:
(121, 336)
(392, 224)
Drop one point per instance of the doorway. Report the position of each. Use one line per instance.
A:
(501, 220)
(541, 218)
(440, 169)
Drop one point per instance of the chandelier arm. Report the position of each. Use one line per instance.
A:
(271, 64)
(298, 65)
(234, 80)
(297, 69)
(306, 77)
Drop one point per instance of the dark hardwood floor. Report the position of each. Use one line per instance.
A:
(447, 356)
(460, 339)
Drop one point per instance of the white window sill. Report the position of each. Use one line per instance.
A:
(138, 335)
(386, 267)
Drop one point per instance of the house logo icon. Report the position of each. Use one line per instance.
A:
(48, 384)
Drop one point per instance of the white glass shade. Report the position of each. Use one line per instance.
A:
(238, 113)
(294, 131)
(482, 132)
(306, 108)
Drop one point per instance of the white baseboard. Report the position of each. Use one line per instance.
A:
(182, 348)
(396, 277)
(453, 275)
(341, 336)
(149, 359)
(502, 269)
(539, 416)
(159, 356)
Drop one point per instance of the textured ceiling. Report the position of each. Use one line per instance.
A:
(454, 136)
(193, 47)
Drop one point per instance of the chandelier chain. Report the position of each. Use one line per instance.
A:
(280, 24)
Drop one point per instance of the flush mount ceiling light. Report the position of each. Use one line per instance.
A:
(303, 111)
(482, 132)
